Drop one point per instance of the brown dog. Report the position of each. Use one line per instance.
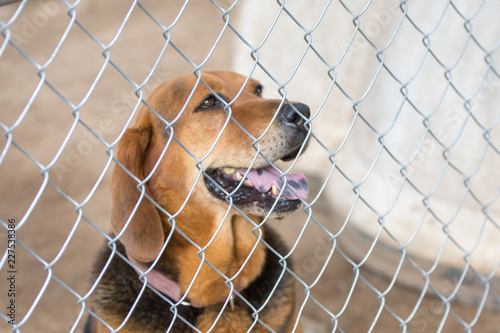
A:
(192, 187)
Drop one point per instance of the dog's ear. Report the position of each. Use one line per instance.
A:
(144, 236)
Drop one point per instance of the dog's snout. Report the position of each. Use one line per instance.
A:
(290, 114)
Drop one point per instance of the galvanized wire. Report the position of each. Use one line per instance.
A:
(362, 193)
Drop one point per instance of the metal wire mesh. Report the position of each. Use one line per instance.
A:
(401, 229)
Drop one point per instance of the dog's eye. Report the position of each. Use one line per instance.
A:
(208, 103)
(258, 90)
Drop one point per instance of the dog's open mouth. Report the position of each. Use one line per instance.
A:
(263, 188)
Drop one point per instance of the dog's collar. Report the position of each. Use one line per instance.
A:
(164, 284)
(160, 282)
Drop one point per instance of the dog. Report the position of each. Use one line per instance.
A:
(194, 180)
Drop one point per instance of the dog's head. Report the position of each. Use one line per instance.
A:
(206, 144)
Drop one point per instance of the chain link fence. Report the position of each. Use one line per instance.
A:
(401, 228)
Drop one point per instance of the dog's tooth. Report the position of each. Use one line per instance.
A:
(275, 190)
(238, 175)
(248, 182)
(229, 171)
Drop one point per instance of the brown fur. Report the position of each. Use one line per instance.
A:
(236, 250)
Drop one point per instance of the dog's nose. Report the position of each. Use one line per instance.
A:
(290, 114)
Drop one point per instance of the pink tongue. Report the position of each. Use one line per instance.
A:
(264, 178)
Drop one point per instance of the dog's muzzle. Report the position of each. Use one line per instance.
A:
(259, 191)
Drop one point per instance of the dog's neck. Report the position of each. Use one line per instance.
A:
(169, 287)
(182, 259)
